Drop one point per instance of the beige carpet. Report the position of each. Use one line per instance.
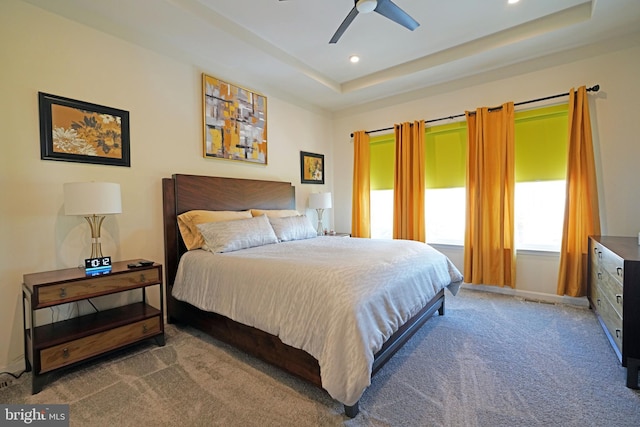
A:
(491, 360)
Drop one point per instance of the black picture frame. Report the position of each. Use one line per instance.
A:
(311, 168)
(77, 131)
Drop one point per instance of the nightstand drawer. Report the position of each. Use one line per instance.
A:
(93, 345)
(94, 286)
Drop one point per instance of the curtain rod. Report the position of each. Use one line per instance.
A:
(594, 88)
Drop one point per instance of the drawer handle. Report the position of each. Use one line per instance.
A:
(618, 298)
(619, 271)
(598, 302)
(599, 275)
(144, 328)
(63, 292)
(618, 333)
(600, 255)
(65, 353)
(142, 278)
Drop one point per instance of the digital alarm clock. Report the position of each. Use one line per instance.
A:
(95, 266)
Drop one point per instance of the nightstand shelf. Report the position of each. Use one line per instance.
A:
(66, 343)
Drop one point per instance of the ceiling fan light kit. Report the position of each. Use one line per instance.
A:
(366, 6)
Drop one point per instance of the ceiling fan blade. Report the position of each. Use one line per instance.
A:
(347, 21)
(390, 10)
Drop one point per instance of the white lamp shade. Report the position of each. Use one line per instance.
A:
(92, 198)
(320, 200)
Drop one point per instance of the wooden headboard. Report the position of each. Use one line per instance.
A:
(183, 193)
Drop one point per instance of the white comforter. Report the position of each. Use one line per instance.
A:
(339, 299)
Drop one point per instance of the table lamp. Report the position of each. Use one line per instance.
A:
(320, 202)
(93, 200)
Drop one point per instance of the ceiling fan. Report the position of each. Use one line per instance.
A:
(386, 8)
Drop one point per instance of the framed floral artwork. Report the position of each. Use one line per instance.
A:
(311, 168)
(77, 131)
(235, 122)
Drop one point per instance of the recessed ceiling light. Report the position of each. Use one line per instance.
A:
(354, 58)
(513, 1)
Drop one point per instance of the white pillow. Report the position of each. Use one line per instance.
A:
(293, 228)
(228, 236)
(188, 222)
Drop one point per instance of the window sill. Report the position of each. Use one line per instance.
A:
(538, 252)
(525, 251)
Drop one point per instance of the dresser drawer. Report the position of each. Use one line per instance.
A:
(609, 315)
(612, 290)
(93, 286)
(610, 262)
(93, 345)
(596, 254)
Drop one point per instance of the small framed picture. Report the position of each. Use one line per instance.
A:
(77, 131)
(311, 168)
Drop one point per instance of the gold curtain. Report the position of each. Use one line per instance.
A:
(360, 206)
(581, 214)
(408, 182)
(489, 251)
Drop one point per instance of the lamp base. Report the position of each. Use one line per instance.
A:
(319, 227)
(95, 222)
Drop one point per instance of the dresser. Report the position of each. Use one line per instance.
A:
(614, 294)
(57, 345)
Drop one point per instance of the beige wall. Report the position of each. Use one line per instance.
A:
(614, 110)
(44, 52)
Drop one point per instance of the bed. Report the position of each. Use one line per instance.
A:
(252, 321)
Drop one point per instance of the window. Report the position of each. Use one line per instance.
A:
(541, 165)
(445, 175)
(540, 168)
(382, 214)
(539, 214)
(382, 154)
(445, 212)
(445, 166)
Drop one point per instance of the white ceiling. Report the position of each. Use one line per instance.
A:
(282, 47)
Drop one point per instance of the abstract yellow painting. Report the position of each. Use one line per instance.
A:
(235, 122)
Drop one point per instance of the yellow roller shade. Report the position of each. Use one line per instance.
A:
(541, 144)
(381, 157)
(446, 154)
(540, 140)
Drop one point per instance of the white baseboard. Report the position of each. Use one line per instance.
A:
(530, 295)
(15, 368)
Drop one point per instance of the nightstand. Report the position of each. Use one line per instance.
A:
(339, 235)
(51, 347)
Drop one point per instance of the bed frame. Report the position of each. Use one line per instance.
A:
(183, 193)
